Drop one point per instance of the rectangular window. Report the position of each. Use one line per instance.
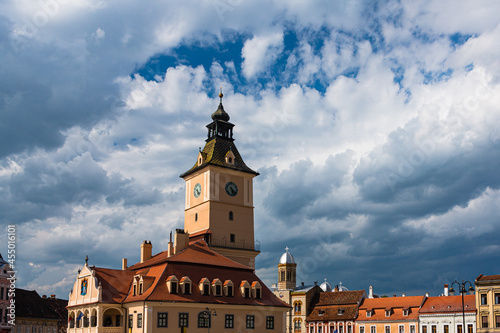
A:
(247, 292)
(412, 328)
(341, 329)
(459, 329)
(497, 298)
(270, 322)
(229, 290)
(446, 329)
(484, 322)
(368, 313)
(162, 319)
(232, 238)
(469, 329)
(130, 321)
(361, 329)
(257, 293)
(388, 329)
(424, 328)
(173, 286)
(373, 329)
(484, 299)
(401, 329)
(139, 320)
(387, 313)
(497, 321)
(349, 329)
(250, 321)
(118, 321)
(187, 288)
(1, 293)
(229, 322)
(218, 290)
(206, 289)
(434, 329)
(183, 319)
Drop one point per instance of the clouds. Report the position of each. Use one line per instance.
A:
(374, 128)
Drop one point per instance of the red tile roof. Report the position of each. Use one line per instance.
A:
(448, 304)
(115, 284)
(329, 303)
(397, 304)
(488, 277)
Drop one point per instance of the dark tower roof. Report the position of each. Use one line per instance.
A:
(219, 144)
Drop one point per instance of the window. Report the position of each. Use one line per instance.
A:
(424, 329)
(196, 217)
(484, 299)
(369, 313)
(469, 328)
(173, 287)
(497, 298)
(412, 328)
(183, 319)
(85, 321)
(270, 322)
(297, 326)
(484, 321)
(247, 292)
(230, 290)
(349, 328)
(388, 329)
(140, 288)
(232, 238)
(446, 329)
(139, 320)
(203, 320)
(401, 329)
(387, 313)
(1, 293)
(135, 290)
(130, 321)
(250, 321)
(340, 312)
(187, 288)
(206, 289)
(406, 312)
(459, 329)
(257, 293)
(162, 319)
(497, 321)
(341, 329)
(231, 216)
(218, 289)
(434, 329)
(361, 329)
(373, 329)
(229, 322)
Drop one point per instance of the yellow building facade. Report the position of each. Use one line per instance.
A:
(488, 303)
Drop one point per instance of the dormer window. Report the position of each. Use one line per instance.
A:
(140, 288)
(369, 313)
(217, 287)
(406, 312)
(205, 287)
(228, 288)
(256, 290)
(245, 289)
(387, 313)
(321, 312)
(172, 284)
(201, 158)
(340, 312)
(230, 158)
(134, 289)
(185, 284)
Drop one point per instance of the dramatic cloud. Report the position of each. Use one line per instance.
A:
(374, 126)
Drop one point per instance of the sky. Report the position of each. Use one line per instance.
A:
(374, 125)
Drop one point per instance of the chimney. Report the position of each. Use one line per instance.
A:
(370, 292)
(302, 284)
(170, 246)
(336, 288)
(403, 295)
(124, 263)
(181, 240)
(53, 296)
(44, 296)
(146, 250)
(446, 290)
(426, 294)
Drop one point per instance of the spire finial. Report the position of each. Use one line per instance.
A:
(221, 94)
(86, 260)
(286, 249)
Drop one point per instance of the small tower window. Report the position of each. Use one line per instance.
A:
(231, 216)
(232, 238)
(196, 217)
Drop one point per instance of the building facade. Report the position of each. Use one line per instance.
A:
(488, 303)
(205, 279)
(389, 315)
(335, 311)
(444, 314)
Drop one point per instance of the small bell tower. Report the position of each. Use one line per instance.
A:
(287, 269)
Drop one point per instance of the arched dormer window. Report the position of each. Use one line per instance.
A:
(230, 158)
(231, 216)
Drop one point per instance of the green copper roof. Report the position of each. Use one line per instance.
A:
(215, 151)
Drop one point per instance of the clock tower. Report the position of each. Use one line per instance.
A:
(219, 195)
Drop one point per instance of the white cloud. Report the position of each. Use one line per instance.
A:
(260, 52)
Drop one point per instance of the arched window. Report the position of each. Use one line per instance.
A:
(231, 216)
(204, 320)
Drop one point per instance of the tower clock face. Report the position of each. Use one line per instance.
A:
(197, 190)
(231, 189)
